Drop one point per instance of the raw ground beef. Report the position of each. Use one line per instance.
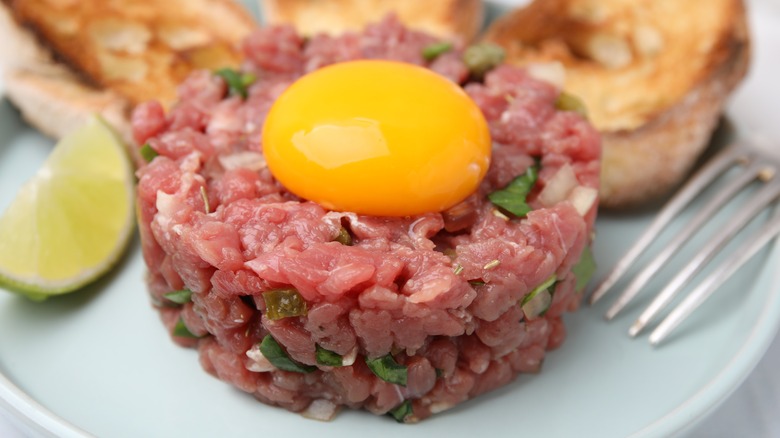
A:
(438, 292)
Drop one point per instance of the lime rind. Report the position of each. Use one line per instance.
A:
(71, 222)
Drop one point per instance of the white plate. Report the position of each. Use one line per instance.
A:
(99, 361)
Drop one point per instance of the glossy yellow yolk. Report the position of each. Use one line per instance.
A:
(377, 137)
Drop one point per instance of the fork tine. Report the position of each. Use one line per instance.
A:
(701, 179)
(690, 229)
(748, 212)
(710, 284)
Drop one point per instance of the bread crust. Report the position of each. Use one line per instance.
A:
(444, 18)
(656, 96)
(140, 50)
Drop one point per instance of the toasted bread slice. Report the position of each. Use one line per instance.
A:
(654, 75)
(139, 50)
(56, 103)
(444, 18)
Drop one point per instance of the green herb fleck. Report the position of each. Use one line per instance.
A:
(329, 358)
(402, 411)
(584, 269)
(181, 330)
(512, 198)
(284, 303)
(237, 82)
(544, 286)
(570, 102)
(435, 50)
(537, 302)
(148, 153)
(387, 369)
(457, 269)
(279, 358)
(344, 237)
(179, 296)
(476, 282)
(483, 57)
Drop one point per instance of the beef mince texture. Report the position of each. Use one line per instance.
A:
(313, 310)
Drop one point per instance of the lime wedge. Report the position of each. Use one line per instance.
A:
(72, 221)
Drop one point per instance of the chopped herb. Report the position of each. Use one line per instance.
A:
(205, 197)
(457, 269)
(512, 198)
(181, 330)
(536, 302)
(476, 282)
(179, 296)
(584, 269)
(483, 57)
(329, 358)
(544, 286)
(570, 102)
(492, 264)
(279, 358)
(402, 411)
(439, 372)
(434, 50)
(387, 369)
(148, 153)
(344, 237)
(284, 303)
(237, 82)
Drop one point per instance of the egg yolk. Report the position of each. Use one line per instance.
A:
(380, 138)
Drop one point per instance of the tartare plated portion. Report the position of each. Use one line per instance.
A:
(313, 308)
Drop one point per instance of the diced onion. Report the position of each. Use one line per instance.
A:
(350, 357)
(559, 186)
(249, 159)
(258, 362)
(537, 305)
(583, 198)
(321, 409)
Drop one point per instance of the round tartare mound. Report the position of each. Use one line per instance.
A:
(313, 310)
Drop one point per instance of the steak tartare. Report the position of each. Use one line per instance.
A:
(311, 309)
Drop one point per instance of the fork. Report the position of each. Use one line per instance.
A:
(757, 167)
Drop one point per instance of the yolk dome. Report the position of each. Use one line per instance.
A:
(377, 137)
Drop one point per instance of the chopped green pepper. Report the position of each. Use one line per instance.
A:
(329, 358)
(284, 303)
(148, 153)
(434, 50)
(570, 102)
(483, 57)
(179, 296)
(387, 369)
(512, 198)
(344, 237)
(402, 411)
(237, 82)
(279, 358)
(181, 330)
